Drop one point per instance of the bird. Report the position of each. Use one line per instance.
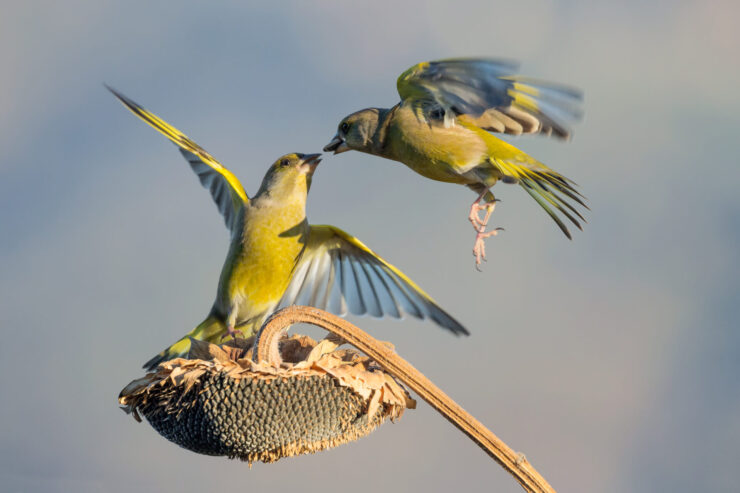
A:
(277, 259)
(442, 129)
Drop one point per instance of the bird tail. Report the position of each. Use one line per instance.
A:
(210, 329)
(551, 190)
(547, 187)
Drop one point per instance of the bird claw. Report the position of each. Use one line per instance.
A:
(479, 248)
(474, 218)
(480, 224)
(230, 332)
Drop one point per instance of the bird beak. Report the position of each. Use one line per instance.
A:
(337, 145)
(309, 163)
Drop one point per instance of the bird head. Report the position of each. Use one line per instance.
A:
(355, 132)
(290, 175)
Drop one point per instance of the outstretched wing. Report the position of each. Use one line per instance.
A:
(493, 98)
(225, 188)
(338, 273)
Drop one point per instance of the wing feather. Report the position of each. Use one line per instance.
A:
(337, 303)
(369, 295)
(306, 293)
(324, 277)
(350, 288)
(338, 272)
(294, 288)
(401, 294)
(493, 98)
(225, 188)
(385, 295)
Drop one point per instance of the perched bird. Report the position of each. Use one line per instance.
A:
(277, 259)
(440, 129)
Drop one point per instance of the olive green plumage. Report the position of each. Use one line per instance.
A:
(277, 259)
(441, 129)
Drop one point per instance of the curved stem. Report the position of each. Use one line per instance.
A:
(516, 464)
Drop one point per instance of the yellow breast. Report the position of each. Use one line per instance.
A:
(260, 262)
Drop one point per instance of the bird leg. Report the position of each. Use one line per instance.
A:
(230, 332)
(473, 217)
(479, 247)
(230, 322)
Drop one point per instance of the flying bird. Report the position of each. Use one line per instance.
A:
(442, 128)
(277, 259)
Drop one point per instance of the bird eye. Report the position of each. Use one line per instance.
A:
(284, 163)
(344, 127)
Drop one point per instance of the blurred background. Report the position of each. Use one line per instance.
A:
(611, 361)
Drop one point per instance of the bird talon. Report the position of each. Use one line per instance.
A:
(230, 332)
(474, 218)
(479, 247)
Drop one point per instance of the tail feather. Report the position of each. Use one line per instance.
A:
(548, 188)
(542, 199)
(211, 329)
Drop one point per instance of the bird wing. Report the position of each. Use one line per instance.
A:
(225, 188)
(488, 92)
(338, 273)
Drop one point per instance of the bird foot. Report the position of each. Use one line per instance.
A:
(479, 248)
(230, 332)
(474, 216)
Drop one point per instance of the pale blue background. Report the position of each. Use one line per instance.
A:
(612, 361)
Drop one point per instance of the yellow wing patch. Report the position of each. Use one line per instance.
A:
(358, 244)
(477, 86)
(339, 273)
(224, 186)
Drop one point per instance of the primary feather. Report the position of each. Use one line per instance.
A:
(277, 259)
(337, 272)
(224, 187)
(487, 90)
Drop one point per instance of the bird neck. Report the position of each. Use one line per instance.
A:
(380, 137)
(280, 204)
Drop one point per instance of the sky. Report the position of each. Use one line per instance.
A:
(611, 360)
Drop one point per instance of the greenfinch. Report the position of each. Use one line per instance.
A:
(441, 129)
(277, 259)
